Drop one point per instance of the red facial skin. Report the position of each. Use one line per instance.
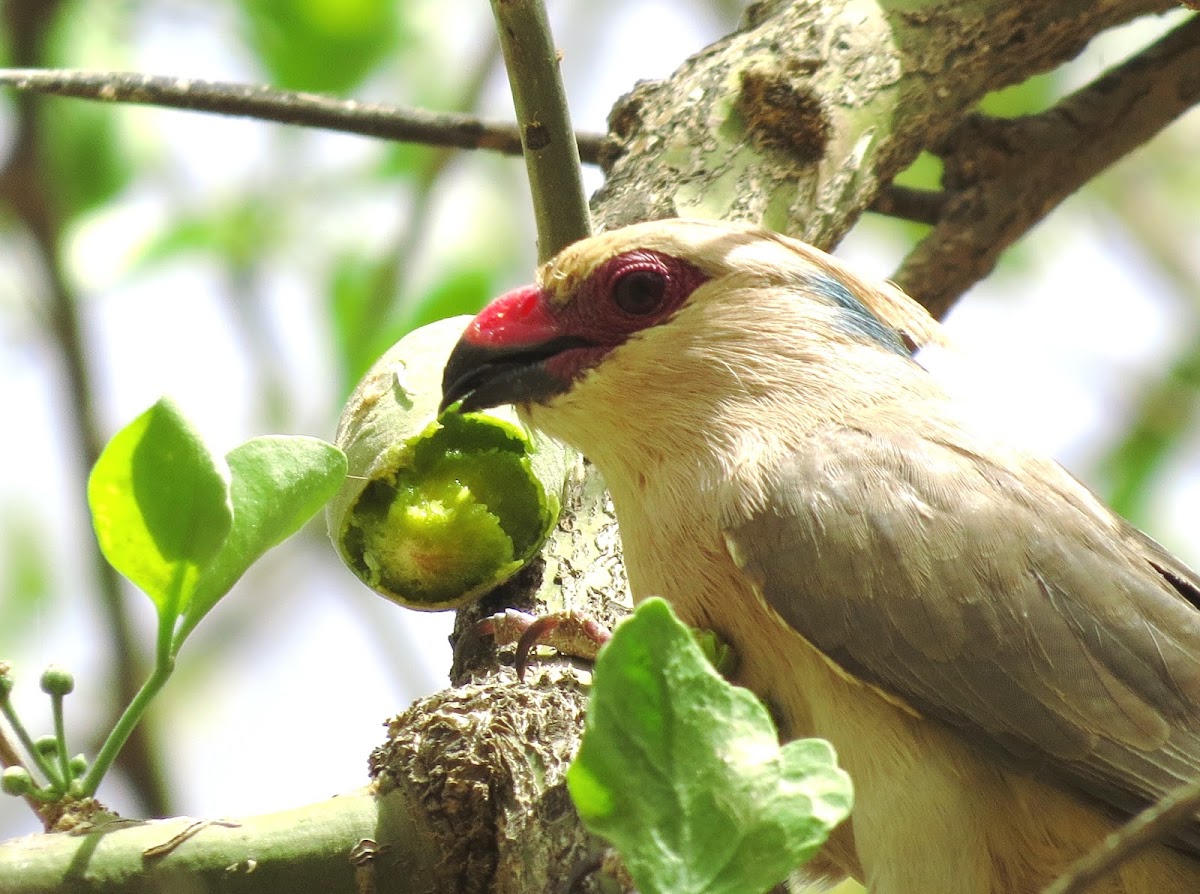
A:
(592, 315)
(529, 346)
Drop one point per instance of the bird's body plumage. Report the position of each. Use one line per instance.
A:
(1006, 668)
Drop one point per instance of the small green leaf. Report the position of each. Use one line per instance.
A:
(322, 45)
(462, 291)
(160, 505)
(279, 483)
(239, 233)
(361, 330)
(26, 583)
(683, 772)
(84, 152)
(1167, 414)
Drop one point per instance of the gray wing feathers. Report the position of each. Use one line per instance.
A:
(994, 594)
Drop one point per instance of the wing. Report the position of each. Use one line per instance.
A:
(997, 595)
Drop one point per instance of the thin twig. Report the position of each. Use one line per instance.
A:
(381, 120)
(1003, 176)
(403, 124)
(551, 156)
(1147, 828)
(11, 757)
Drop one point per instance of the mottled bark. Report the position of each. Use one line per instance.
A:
(798, 120)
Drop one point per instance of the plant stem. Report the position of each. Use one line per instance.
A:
(165, 649)
(10, 757)
(10, 714)
(551, 154)
(125, 725)
(60, 733)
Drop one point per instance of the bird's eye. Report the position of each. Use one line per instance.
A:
(640, 292)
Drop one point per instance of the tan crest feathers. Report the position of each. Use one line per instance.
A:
(719, 248)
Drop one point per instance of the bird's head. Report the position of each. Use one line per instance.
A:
(658, 326)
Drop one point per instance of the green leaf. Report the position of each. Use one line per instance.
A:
(279, 483)
(88, 164)
(160, 505)
(462, 291)
(239, 233)
(26, 584)
(321, 45)
(359, 335)
(683, 773)
(1167, 414)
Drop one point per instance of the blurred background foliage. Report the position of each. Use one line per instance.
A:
(253, 272)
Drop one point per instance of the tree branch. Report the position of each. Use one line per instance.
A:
(402, 124)
(798, 120)
(551, 157)
(1003, 176)
(918, 205)
(295, 850)
(1147, 828)
(380, 120)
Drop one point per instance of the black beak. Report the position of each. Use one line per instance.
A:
(484, 376)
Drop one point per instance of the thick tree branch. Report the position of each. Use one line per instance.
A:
(296, 850)
(468, 797)
(469, 793)
(796, 121)
(1003, 176)
(918, 205)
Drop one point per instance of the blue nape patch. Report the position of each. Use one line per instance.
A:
(857, 318)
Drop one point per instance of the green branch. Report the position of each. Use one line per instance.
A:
(296, 850)
(551, 156)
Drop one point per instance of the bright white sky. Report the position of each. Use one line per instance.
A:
(302, 697)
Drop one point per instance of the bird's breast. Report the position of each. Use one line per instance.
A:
(679, 553)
